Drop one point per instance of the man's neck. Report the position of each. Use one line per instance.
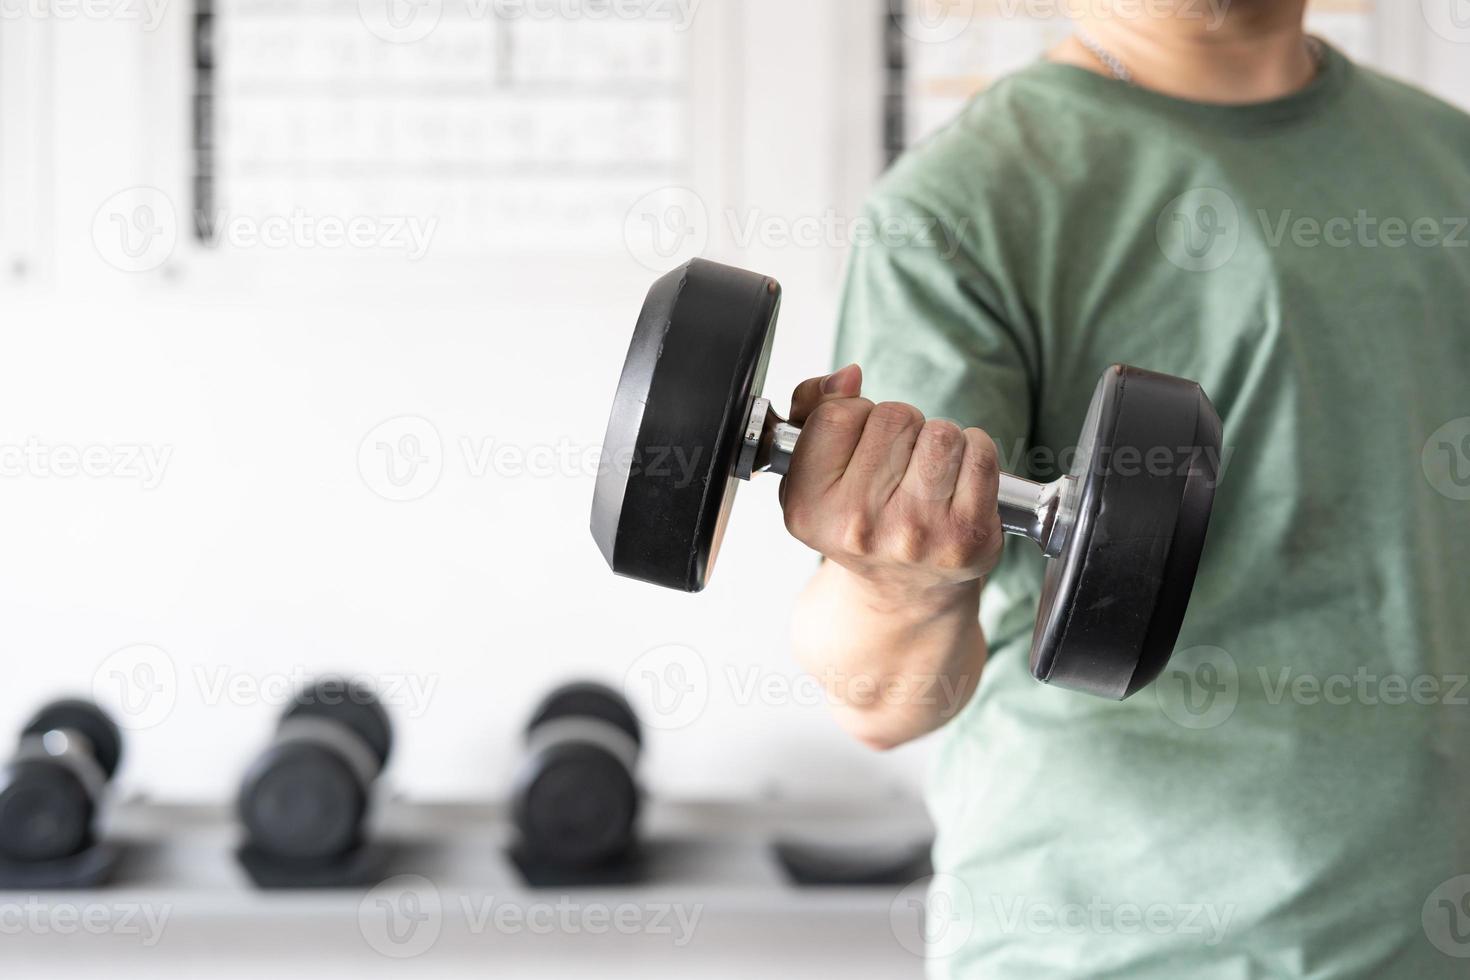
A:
(1252, 52)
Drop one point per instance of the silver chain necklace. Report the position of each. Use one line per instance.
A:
(1121, 72)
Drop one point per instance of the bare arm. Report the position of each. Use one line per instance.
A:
(896, 668)
(904, 510)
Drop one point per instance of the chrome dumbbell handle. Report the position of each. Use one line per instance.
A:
(1038, 511)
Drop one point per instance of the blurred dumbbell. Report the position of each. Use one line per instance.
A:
(576, 794)
(306, 797)
(51, 789)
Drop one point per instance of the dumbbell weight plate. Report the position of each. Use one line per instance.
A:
(575, 800)
(45, 811)
(303, 802)
(87, 719)
(304, 799)
(587, 699)
(575, 805)
(1115, 594)
(48, 794)
(1139, 501)
(699, 354)
(347, 703)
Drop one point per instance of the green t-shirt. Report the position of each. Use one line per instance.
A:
(1292, 798)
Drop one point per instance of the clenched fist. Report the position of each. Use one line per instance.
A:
(906, 504)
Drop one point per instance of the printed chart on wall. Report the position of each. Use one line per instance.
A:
(522, 127)
(941, 52)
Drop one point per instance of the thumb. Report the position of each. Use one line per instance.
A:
(846, 383)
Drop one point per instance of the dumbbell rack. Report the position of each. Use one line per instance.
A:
(711, 857)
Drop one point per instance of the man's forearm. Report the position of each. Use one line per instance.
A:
(896, 665)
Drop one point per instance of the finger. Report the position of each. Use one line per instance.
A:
(845, 383)
(882, 455)
(934, 468)
(978, 486)
(825, 449)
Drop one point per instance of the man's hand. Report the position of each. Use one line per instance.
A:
(906, 511)
(905, 504)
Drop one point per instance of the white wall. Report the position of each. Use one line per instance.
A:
(264, 554)
(1447, 63)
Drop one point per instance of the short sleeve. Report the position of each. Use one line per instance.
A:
(926, 322)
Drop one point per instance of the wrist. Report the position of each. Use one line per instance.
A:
(918, 598)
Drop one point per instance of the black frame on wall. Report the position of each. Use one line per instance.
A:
(895, 84)
(203, 123)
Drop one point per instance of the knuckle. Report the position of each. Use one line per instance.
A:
(934, 466)
(944, 434)
(911, 543)
(843, 416)
(952, 560)
(857, 536)
(981, 453)
(892, 418)
(970, 530)
(972, 537)
(798, 516)
(940, 444)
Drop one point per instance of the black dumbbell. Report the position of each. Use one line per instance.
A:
(306, 798)
(576, 795)
(1124, 534)
(51, 790)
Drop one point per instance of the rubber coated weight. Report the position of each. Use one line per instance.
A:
(587, 699)
(46, 813)
(1113, 602)
(698, 355)
(52, 789)
(305, 799)
(576, 799)
(302, 803)
(1124, 533)
(87, 719)
(348, 703)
